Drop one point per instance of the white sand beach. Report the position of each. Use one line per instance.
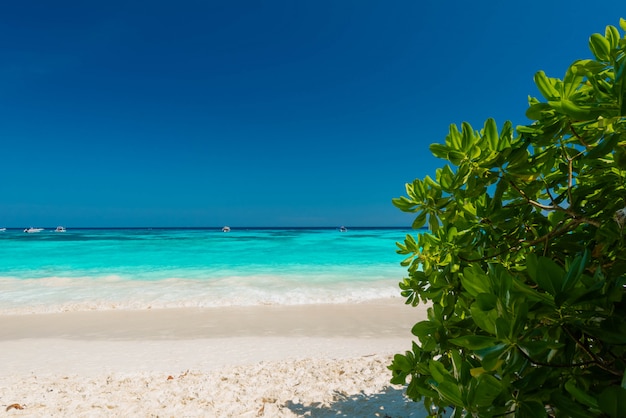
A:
(275, 361)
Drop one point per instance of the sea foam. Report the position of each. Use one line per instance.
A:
(148, 269)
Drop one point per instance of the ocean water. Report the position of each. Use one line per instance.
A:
(99, 269)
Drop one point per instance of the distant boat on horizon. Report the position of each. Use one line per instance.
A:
(32, 230)
(343, 229)
(2, 229)
(60, 229)
(226, 229)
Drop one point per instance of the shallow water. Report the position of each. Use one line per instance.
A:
(84, 269)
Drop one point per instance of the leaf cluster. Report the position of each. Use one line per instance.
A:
(523, 265)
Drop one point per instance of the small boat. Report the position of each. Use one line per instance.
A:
(226, 229)
(60, 229)
(2, 229)
(343, 229)
(32, 230)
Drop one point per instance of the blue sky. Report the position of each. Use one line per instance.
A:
(250, 113)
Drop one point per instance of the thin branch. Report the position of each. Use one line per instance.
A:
(595, 360)
(561, 228)
(504, 414)
(569, 212)
(571, 180)
(487, 257)
(578, 343)
(532, 202)
(581, 219)
(571, 127)
(558, 366)
(570, 168)
(549, 193)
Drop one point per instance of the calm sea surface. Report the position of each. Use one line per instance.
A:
(85, 269)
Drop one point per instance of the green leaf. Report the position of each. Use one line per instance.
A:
(600, 46)
(532, 266)
(453, 139)
(531, 130)
(490, 131)
(571, 82)
(530, 409)
(486, 320)
(612, 36)
(452, 233)
(491, 356)
(404, 204)
(486, 301)
(487, 389)
(467, 137)
(612, 401)
(461, 177)
(546, 273)
(573, 110)
(439, 151)
(545, 86)
(451, 392)
(566, 407)
(605, 146)
(520, 316)
(445, 177)
(607, 333)
(433, 223)
(620, 155)
(438, 371)
(503, 328)
(424, 329)
(457, 363)
(420, 220)
(532, 294)
(474, 342)
(456, 157)
(580, 395)
(534, 349)
(572, 277)
(536, 112)
(402, 363)
(475, 281)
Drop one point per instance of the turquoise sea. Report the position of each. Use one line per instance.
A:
(98, 269)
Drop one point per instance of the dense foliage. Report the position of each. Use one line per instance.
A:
(524, 263)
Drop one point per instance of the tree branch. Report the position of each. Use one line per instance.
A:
(570, 181)
(571, 127)
(597, 361)
(571, 213)
(532, 202)
(556, 366)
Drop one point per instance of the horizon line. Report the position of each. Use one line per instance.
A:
(219, 227)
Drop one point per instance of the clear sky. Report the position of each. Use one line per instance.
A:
(257, 113)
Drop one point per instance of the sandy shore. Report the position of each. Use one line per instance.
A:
(276, 361)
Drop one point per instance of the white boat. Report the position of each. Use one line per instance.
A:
(60, 229)
(2, 229)
(343, 229)
(226, 229)
(32, 230)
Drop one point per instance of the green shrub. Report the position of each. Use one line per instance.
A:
(524, 263)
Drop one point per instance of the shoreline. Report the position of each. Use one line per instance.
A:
(281, 361)
(390, 316)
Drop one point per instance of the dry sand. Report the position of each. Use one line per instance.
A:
(274, 361)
